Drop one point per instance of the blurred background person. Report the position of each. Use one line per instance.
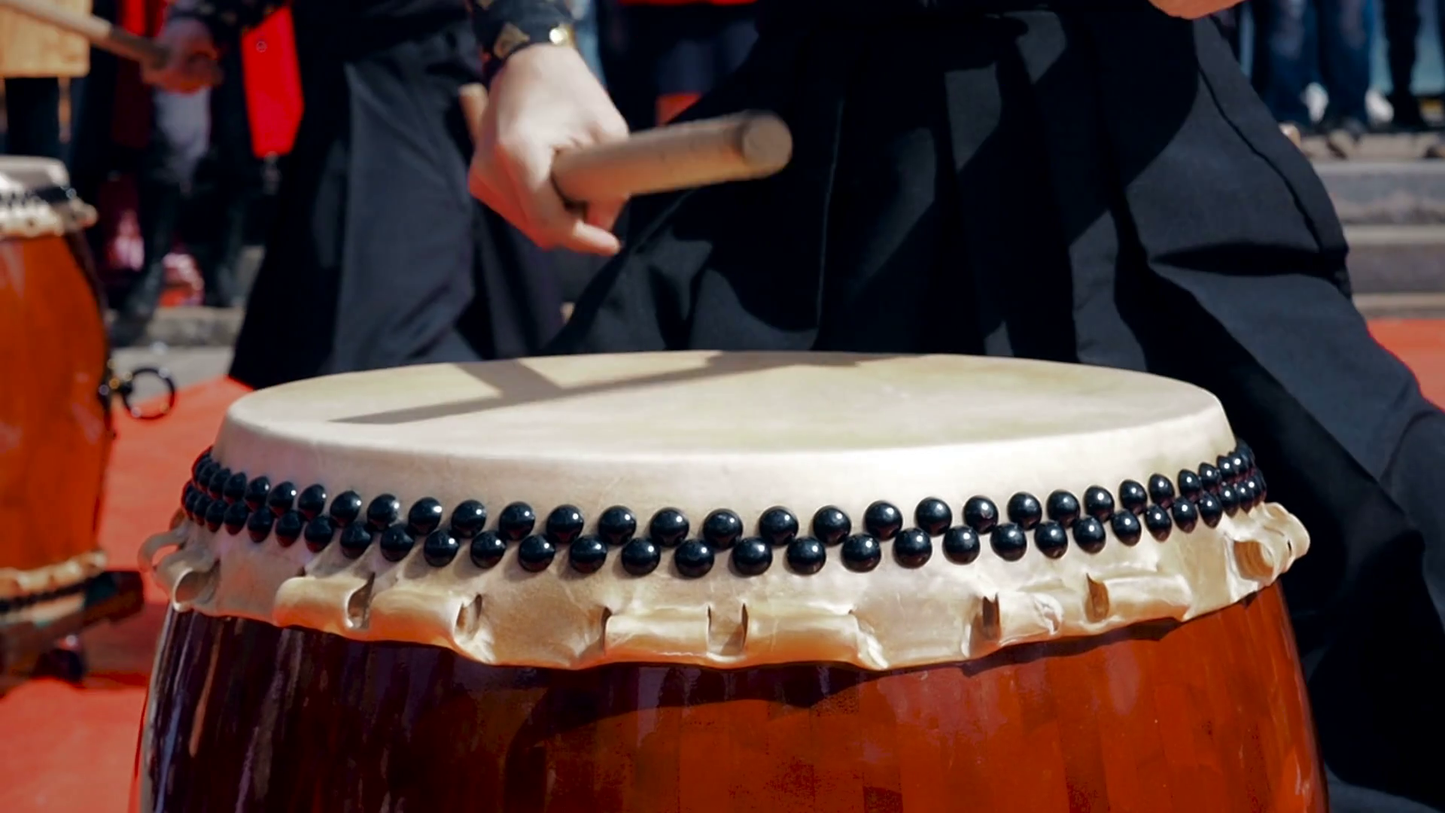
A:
(1284, 64)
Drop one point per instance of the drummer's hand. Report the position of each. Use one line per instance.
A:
(192, 65)
(545, 100)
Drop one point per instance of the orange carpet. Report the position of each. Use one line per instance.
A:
(68, 748)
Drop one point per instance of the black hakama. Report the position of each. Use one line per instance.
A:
(1095, 183)
(379, 256)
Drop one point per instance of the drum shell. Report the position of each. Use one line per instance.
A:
(58, 431)
(1209, 715)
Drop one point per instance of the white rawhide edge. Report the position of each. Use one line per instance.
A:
(15, 582)
(736, 431)
(890, 618)
(25, 216)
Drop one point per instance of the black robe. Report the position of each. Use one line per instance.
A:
(1094, 182)
(378, 255)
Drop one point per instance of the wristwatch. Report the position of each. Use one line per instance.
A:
(505, 27)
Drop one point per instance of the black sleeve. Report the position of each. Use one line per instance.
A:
(228, 19)
(504, 27)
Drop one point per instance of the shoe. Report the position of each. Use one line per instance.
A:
(1407, 117)
(1343, 136)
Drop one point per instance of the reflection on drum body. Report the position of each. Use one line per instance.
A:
(728, 582)
(55, 428)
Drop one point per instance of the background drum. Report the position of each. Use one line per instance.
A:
(56, 387)
(706, 582)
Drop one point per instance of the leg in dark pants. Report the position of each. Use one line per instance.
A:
(1280, 68)
(178, 142)
(32, 109)
(235, 180)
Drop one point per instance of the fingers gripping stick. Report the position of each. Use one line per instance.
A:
(740, 147)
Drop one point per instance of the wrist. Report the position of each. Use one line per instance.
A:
(508, 27)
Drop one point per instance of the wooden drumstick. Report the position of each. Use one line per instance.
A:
(100, 33)
(740, 147)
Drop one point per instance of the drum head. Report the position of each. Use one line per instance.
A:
(726, 508)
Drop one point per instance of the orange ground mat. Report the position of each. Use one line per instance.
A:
(68, 748)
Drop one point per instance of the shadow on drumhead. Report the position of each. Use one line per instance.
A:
(519, 384)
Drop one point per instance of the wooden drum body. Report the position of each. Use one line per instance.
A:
(55, 422)
(338, 640)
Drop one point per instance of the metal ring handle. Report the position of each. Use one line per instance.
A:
(127, 387)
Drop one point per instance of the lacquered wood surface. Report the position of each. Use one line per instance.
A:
(1208, 716)
(55, 432)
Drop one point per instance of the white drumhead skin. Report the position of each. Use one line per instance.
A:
(24, 215)
(700, 431)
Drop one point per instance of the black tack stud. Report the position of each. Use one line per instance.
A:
(1185, 514)
(235, 519)
(1210, 509)
(468, 519)
(203, 507)
(1051, 538)
(1009, 541)
(1229, 498)
(980, 514)
(440, 547)
(831, 525)
(961, 545)
(1126, 527)
(215, 514)
(1089, 534)
(217, 485)
(752, 556)
(1245, 452)
(487, 549)
(587, 554)
(312, 501)
(192, 495)
(668, 528)
(1248, 490)
(1161, 490)
(564, 524)
(318, 533)
(396, 543)
(616, 525)
(693, 558)
(1098, 503)
(1063, 508)
(933, 515)
(862, 553)
(806, 555)
(234, 488)
(1157, 520)
(517, 521)
(346, 508)
(778, 525)
(1189, 485)
(382, 512)
(202, 460)
(536, 553)
(1133, 496)
(1261, 490)
(1237, 461)
(1227, 474)
(1024, 510)
(641, 556)
(1209, 477)
(203, 479)
(722, 529)
(288, 528)
(281, 498)
(259, 525)
(256, 492)
(355, 540)
(913, 548)
(882, 521)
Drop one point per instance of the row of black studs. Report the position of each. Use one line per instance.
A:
(217, 497)
(17, 603)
